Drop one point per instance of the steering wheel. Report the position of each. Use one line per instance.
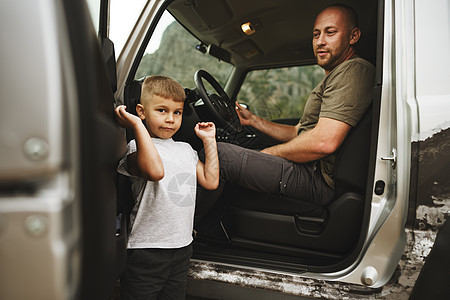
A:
(221, 107)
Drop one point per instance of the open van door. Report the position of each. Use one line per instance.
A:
(58, 143)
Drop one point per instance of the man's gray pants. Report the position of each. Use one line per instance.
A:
(272, 174)
(265, 173)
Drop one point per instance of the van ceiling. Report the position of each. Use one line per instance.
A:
(283, 28)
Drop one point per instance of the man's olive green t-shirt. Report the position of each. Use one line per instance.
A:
(343, 95)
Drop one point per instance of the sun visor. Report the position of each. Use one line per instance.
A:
(219, 53)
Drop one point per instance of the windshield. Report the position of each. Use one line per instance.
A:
(172, 51)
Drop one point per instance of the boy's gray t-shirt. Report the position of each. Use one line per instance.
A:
(164, 211)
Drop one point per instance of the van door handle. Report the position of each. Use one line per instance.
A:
(392, 158)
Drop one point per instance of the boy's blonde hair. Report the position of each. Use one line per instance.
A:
(162, 86)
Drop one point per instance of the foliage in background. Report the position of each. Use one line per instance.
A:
(280, 93)
(178, 58)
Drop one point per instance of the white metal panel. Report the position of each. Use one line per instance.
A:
(432, 65)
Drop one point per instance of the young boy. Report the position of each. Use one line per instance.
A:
(164, 174)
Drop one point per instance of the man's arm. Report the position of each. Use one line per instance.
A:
(145, 162)
(208, 173)
(322, 140)
(280, 132)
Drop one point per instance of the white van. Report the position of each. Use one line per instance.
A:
(67, 64)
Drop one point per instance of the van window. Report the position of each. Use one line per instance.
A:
(280, 93)
(123, 16)
(94, 11)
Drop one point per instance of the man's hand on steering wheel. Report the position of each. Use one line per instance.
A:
(245, 116)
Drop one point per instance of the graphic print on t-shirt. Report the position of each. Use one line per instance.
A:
(181, 189)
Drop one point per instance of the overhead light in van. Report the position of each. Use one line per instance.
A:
(248, 28)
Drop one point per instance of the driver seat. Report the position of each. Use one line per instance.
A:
(294, 226)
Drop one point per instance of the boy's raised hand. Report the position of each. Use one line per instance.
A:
(205, 130)
(125, 119)
(208, 172)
